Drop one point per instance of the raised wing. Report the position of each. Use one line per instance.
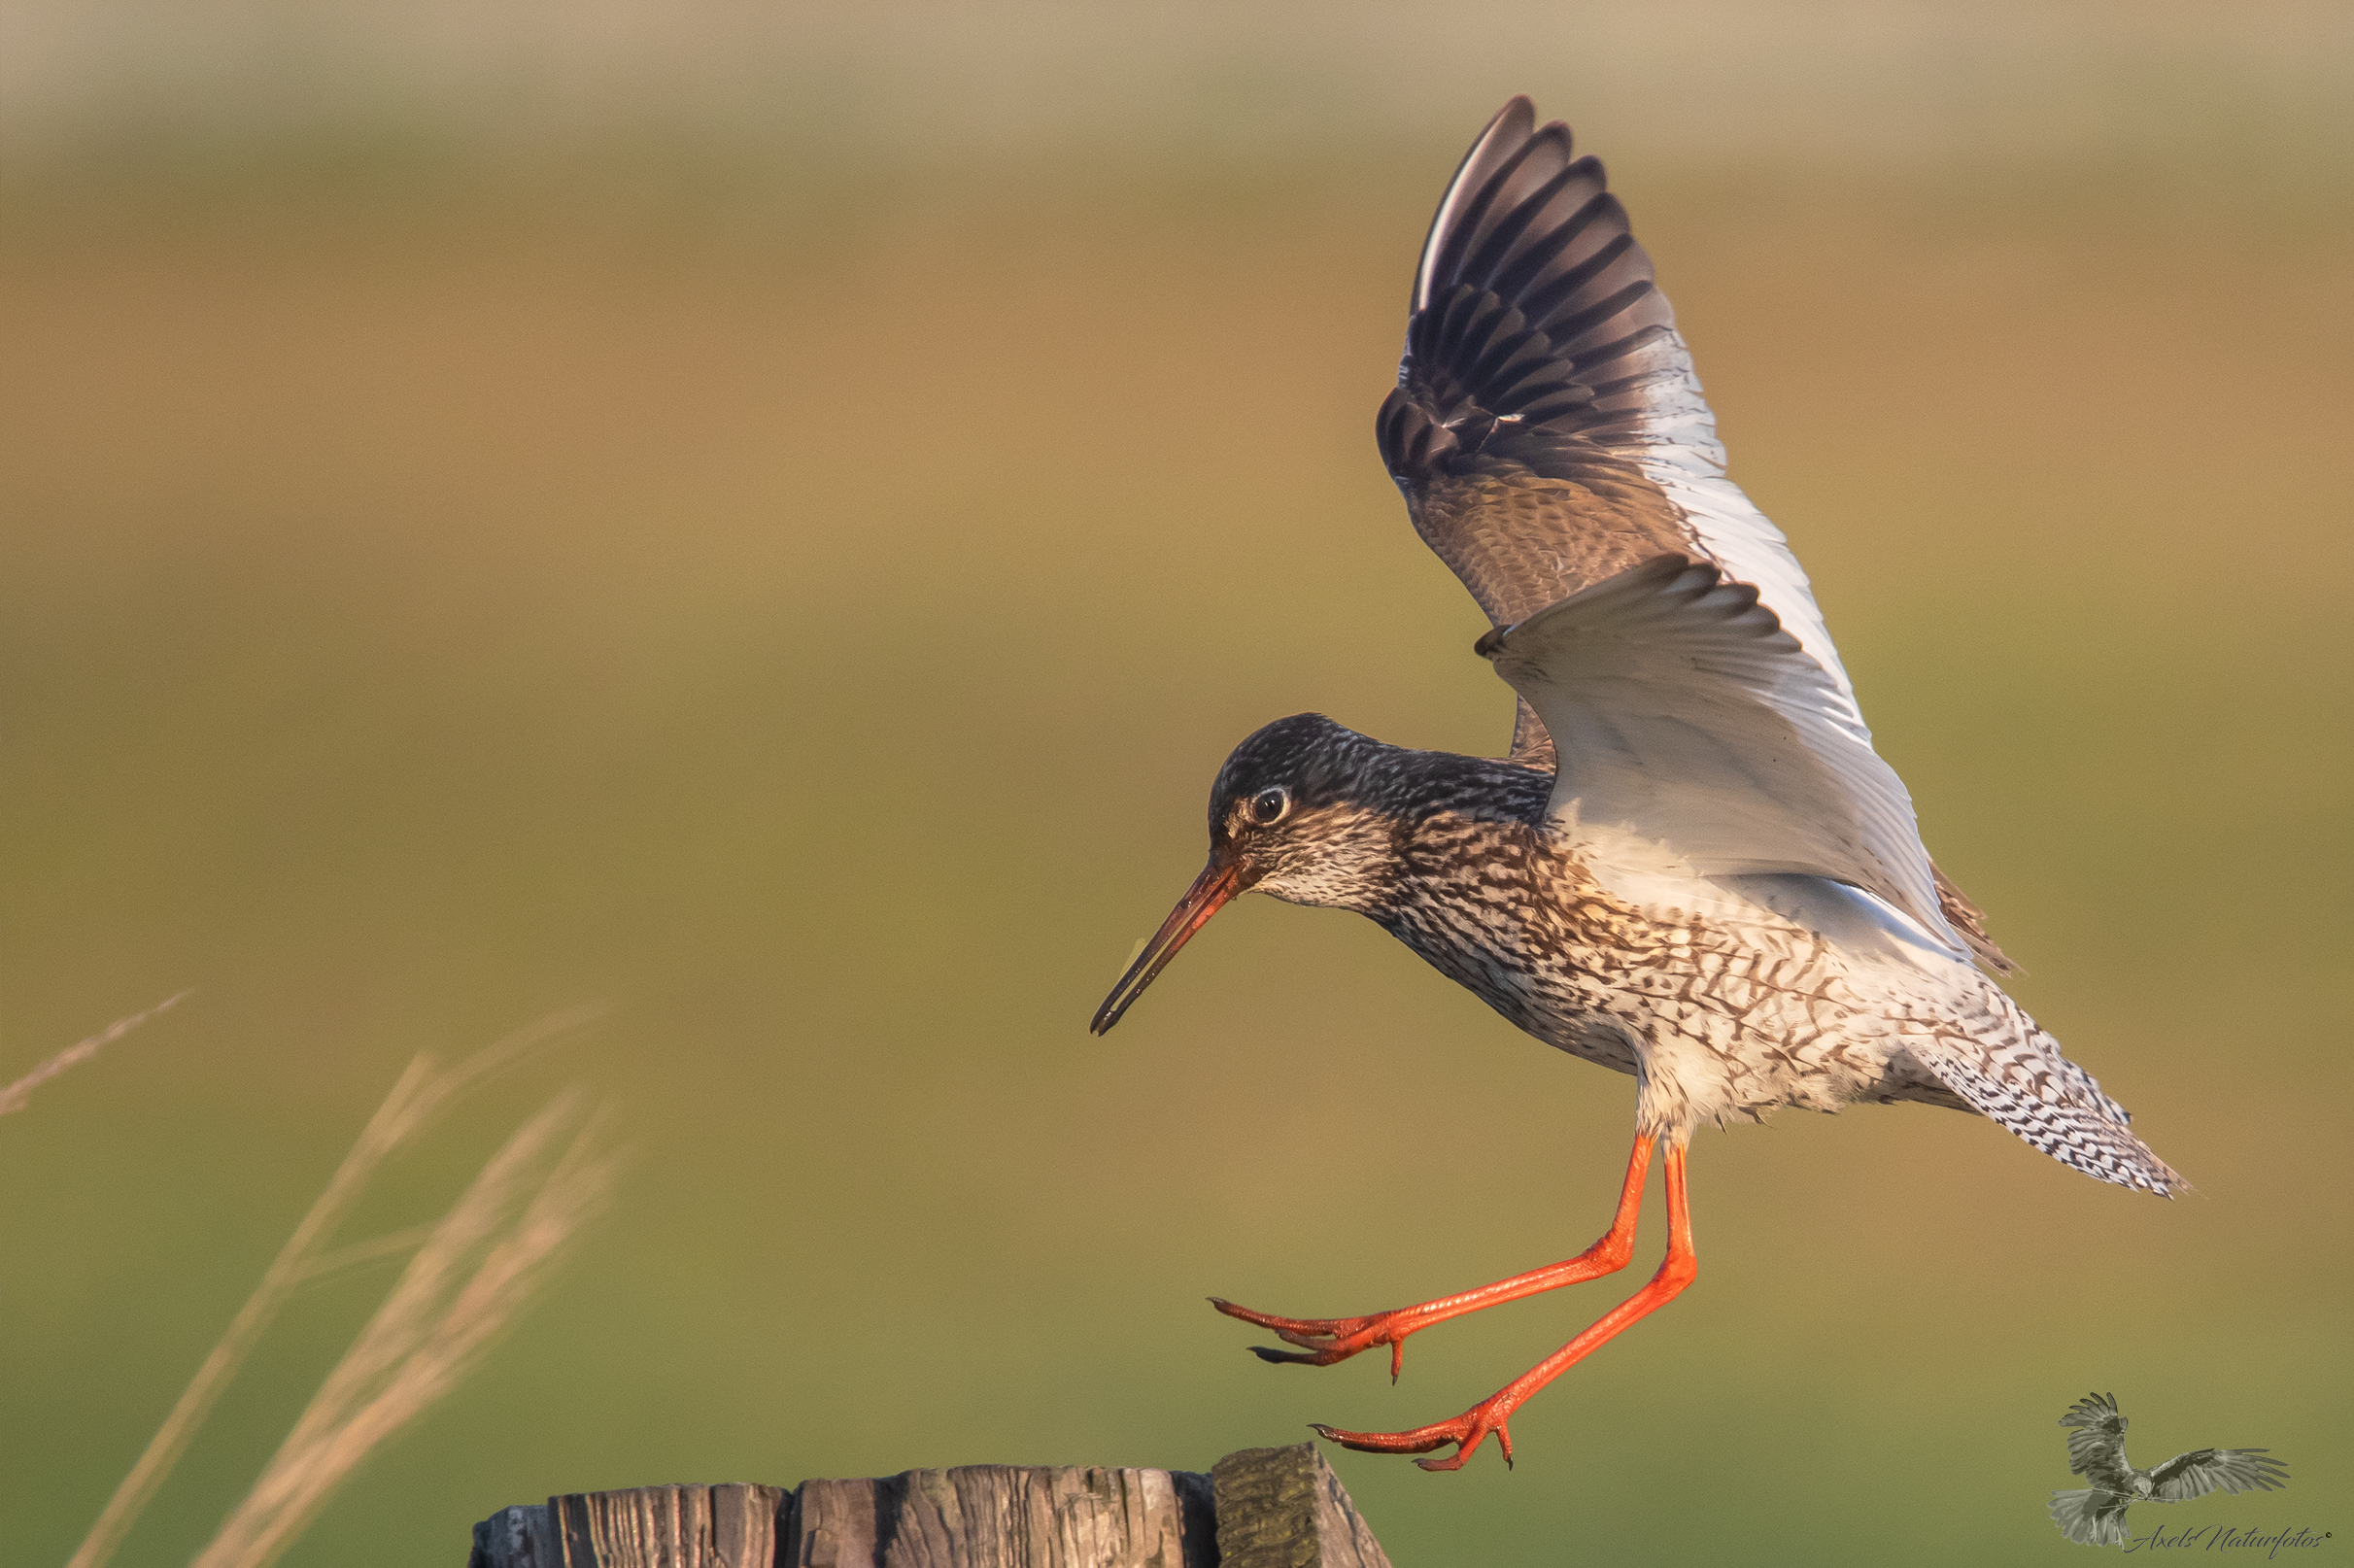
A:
(2100, 1435)
(1687, 715)
(2204, 1470)
(1547, 429)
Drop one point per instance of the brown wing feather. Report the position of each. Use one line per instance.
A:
(1969, 924)
(1537, 337)
(1536, 333)
(1522, 542)
(1541, 360)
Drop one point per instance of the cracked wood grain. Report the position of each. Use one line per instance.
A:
(1263, 1508)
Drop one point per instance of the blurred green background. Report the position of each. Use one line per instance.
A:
(771, 516)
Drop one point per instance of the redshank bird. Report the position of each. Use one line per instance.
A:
(1691, 868)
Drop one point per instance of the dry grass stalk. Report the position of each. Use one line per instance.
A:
(468, 1281)
(422, 1091)
(15, 1096)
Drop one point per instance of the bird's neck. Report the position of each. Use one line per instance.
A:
(1448, 816)
(1417, 787)
(1401, 821)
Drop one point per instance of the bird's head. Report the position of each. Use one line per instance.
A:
(1300, 810)
(2143, 1485)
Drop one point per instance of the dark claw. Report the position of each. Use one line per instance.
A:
(1279, 1357)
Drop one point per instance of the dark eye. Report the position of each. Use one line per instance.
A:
(1269, 804)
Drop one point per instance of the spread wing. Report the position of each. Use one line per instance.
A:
(2098, 1440)
(1547, 427)
(1549, 432)
(2204, 1470)
(1688, 714)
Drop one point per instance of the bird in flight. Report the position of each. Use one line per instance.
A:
(2094, 1515)
(1691, 868)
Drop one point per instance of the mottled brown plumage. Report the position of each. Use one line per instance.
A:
(1692, 869)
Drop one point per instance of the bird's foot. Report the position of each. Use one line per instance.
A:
(1466, 1432)
(1324, 1341)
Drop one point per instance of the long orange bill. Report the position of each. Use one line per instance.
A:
(1208, 894)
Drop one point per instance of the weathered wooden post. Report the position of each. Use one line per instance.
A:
(1262, 1508)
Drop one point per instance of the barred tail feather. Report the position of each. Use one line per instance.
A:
(2053, 1105)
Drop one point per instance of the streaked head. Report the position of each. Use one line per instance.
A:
(1295, 812)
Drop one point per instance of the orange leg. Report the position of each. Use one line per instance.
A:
(1324, 1341)
(1469, 1429)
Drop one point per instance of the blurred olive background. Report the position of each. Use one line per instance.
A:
(771, 516)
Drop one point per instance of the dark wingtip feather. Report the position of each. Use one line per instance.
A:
(1530, 292)
(1504, 135)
